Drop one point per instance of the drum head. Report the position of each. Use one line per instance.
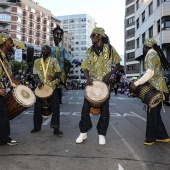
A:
(44, 92)
(97, 92)
(24, 95)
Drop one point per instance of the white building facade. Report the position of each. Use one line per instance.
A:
(80, 27)
(152, 19)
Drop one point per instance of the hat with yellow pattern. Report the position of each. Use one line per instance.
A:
(3, 37)
(45, 44)
(149, 42)
(99, 30)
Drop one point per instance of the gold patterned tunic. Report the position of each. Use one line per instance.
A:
(52, 66)
(152, 61)
(7, 66)
(101, 65)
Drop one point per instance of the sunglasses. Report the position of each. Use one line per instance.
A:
(93, 35)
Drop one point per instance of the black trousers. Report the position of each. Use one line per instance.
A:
(103, 123)
(155, 128)
(4, 122)
(55, 120)
(60, 94)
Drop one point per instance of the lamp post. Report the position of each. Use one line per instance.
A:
(161, 25)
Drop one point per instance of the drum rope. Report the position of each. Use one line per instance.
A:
(45, 70)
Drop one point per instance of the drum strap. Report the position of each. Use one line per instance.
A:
(45, 70)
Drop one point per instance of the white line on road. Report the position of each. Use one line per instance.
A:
(70, 98)
(120, 167)
(129, 147)
(47, 121)
(138, 116)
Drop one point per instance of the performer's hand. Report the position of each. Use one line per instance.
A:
(2, 91)
(133, 87)
(13, 84)
(50, 77)
(40, 85)
(89, 82)
(106, 78)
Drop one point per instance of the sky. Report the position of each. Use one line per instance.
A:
(109, 14)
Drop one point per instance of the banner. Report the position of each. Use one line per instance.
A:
(18, 55)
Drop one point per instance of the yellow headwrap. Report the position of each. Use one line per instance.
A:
(3, 37)
(99, 30)
(149, 42)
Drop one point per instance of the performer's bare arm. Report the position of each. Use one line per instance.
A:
(106, 78)
(56, 75)
(86, 74)
(40, 84)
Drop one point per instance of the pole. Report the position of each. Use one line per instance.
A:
(161, 26)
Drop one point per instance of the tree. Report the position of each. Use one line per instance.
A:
(16, 66)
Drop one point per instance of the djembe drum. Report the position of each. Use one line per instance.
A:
(96, 94)
(149, 95)
(18, 100)
(44, 99)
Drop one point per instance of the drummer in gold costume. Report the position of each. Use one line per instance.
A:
(6, 45)
(154, 61)
(97, 65)
(47, 71)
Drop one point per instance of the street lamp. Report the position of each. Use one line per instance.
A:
(161, 25)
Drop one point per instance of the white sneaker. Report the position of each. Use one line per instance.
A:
(81, 137)
(102, 140)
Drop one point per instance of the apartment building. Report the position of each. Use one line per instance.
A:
(28, 22)
(152, 19)
(80, 27)
(130, 64)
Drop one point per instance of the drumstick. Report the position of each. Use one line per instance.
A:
(5, 69)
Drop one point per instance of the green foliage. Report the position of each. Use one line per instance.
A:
(16, 66)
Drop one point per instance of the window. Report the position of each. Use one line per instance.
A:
(71, 20)
(151, 8)
(33, 10)
(151, 32)
(143, 16)
(19, 37)
(83, 43)
(130, 55)
(77, 42)
(131, 67)
(130, 43)
(65, 27)
(26, 7)
(168, 53)
(83, 48)
(158, 25)
(137, 4)
(130, 10)
(130, 20)
(130, 32)
(167, 24)
(137, 23)
(19, 20)
(137, 43)
(65, 21)
(83, 19)
(19, 11)
(40, 13)
(143, 37)
(71, 26)
(83, 25)
(83, 37)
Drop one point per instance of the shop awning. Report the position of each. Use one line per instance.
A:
(19, 44)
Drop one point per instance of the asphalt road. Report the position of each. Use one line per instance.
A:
(124, 149)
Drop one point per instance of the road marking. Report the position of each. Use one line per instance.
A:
(47, 121)
(28, 112)
(115, 114)
(129, 147)
(138, 116)
(70, 98)
(120, 167)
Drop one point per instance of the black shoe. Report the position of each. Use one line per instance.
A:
(11, 142)
(58, 132)
(35, 130)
